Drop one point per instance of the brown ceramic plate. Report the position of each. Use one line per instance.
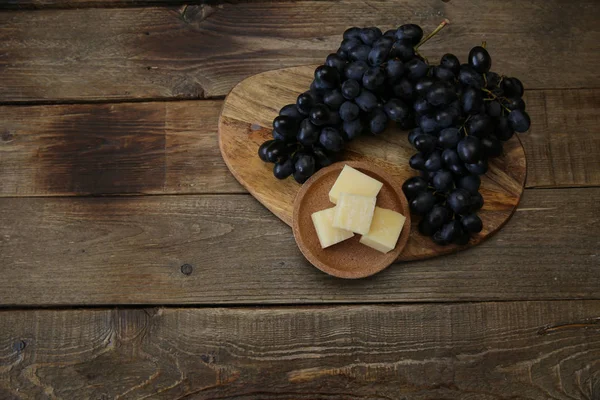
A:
(348, 259)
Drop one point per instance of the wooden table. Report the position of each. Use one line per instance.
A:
(133, 265)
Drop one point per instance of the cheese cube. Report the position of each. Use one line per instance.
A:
(385, 230)
(327, 234)
(354, 213)
(355, 182)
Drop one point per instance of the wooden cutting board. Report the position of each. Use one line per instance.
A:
(246, 122)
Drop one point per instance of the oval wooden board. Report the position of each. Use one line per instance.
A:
(245, 123)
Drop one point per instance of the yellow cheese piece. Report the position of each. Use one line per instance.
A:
(354, 213)
(385, 230)
(355, 182)
(328, 235)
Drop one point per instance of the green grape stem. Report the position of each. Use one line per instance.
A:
(433, 33)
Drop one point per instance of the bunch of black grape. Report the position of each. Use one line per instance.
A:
(368, 82)
(464, 114)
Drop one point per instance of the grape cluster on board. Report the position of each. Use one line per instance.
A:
(458, 116)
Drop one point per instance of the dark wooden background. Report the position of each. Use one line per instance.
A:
(133, 265)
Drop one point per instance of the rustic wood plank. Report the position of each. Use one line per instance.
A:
(39, 4)
(171, 147)
(158, 52)
(563, 144)
(166, 147)
(524, 350)
(132, 250)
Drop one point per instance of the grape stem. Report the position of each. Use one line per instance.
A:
(494, 97)
(483, 44)
(433, 33)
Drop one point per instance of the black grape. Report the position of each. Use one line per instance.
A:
(276, 151)
(478, 168)
(444, 118)
(396, 110)
(512, 87)
(428, 123)
(449, 233)
(450, 137)
(350, 89)
(469, 77)
(378, 120)
(349, 111)
(331, 140)
(390, 33)
(373, 78)
(367, 101)
(349, 44)
(469, 149)
(285, 125)
(282, 170)
(434, 220)
(519, 120)
(412, 135)
(378, 55)
(262, 150)
(479, 125)
(394, 70)
(322, 159)
(471, 223)
(352, 33)
(369, 35)
(493, 80)
(493, 108)
(450, 157)
(476, 201)
(443, 73)
(305, 102)
(353, 129)
(422, 203)
(308, 133)
(413, 186)
(425, 143)
(291, 111)
(411, 33)
(471, 100)
(470, 183)
(334, 99)
(328, 77)
(502, 129)
(360, 52)
(355, 70)
(515, 103)
(319, 114)
(440, 94)
(460, 201)
(492, 147)
(404, 89)
(334, 60)
(434, 162)
(479, 59)
(443, 181)
(402, 50)
(421, 106)
(451, 62)
(416, 69)
(417, 161)
(423, 85)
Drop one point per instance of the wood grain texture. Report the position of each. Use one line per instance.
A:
(63, 149)
(132, 250)
(162, 53)
(136, 148)
(246, 122)
(563, 144)
(525, 350)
